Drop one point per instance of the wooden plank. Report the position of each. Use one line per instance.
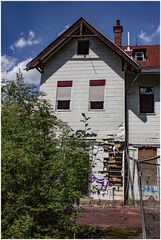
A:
(81, 36)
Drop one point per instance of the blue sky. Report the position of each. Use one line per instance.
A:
(28, 27)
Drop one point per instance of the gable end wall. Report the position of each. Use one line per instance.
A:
(101, 63)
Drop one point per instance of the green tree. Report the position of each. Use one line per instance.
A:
(43, 167)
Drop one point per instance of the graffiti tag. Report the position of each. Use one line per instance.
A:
(104, 182)
(150, 189)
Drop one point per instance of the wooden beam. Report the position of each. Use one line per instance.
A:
(40, 70)
(40, 67)
(81, 29)
(80, 36)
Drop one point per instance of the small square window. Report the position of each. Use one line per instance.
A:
(96, 105)
(63, 104)
(146, 100)
(139, 56)
(83, 47)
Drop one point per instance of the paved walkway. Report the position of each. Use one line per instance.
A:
(103, 216)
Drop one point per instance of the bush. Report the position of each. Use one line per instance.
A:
(44, 167)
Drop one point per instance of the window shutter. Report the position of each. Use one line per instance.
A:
(63, 93)
(64, 84)
(100, 82)
(96, 93)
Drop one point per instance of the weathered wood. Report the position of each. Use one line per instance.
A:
(66, 66)
(81, 36)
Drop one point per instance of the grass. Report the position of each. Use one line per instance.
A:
(89, 232)
(122, 233)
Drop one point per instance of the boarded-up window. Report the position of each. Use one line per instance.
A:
(96, 94)
(148, 169)
(146, 100)
(63, 95)
(83, 47)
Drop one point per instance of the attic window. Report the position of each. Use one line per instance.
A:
(139, 56)
(83, 47)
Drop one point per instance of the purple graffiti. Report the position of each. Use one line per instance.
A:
(104, 181)
(92, 178)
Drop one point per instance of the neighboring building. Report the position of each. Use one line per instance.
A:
(116, 86)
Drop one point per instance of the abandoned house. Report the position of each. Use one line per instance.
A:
(83, 71)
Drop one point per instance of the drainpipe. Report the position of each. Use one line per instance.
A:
(128, 176)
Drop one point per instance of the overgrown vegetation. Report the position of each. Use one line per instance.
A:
(44, 167)
(122, 233)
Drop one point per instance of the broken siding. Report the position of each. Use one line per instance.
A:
(107, 172)
(133, 153)
(101, 63)
(144, 128)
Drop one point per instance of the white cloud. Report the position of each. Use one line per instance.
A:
(145, 37)
(148, 38)
(22, 42)
(7, 63)
(158, 30)
(9, 73)
(65, 28)
(31, 34)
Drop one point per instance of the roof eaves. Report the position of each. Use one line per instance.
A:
(36, 60)
(115, 45)
(32, 64)
(150, 70)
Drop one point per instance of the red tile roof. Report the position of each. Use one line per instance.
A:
(152, 54)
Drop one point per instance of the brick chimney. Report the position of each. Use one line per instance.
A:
(118, 33)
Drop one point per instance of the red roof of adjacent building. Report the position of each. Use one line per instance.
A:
(152, 54)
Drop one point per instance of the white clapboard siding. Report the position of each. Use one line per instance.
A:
(144, 128)
(101, 63)
(133, 152)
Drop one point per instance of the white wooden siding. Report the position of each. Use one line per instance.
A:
(144, 128)
(101, 63)
(133, 153)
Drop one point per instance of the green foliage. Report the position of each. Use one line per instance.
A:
(84, 232)
(130, 202)
(44, 167)
(84, 134)
(122, 233)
